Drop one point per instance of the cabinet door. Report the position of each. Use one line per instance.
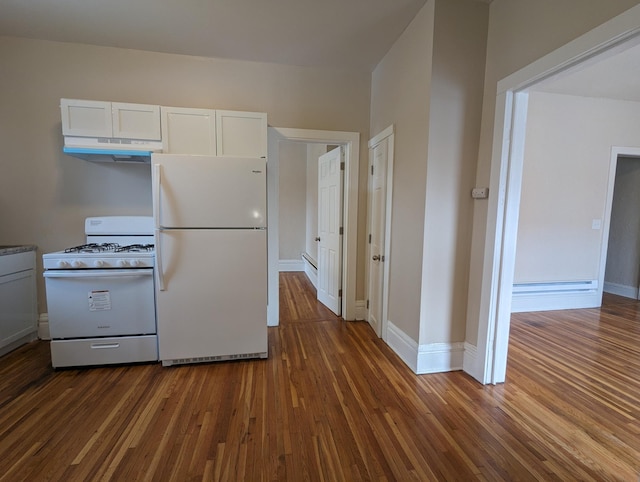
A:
(242, 134)
(18, 316)
(188, 131)
(136, 121)
(86, 118)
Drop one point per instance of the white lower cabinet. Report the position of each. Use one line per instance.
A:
(18, 305)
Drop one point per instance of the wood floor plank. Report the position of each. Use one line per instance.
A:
(334, 403)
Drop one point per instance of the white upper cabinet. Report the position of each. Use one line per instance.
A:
(188, 131)
(136, 121)
(86, 118)
(90, 118)
(241, 134)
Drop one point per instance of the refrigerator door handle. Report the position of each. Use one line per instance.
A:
(157, 170)
(159, 270)
(156, 195)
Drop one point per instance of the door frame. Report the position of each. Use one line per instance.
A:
(388, 133)
(616, 154)
(487, 362)
(351, 143)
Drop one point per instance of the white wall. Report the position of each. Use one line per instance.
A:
(45, 195)
(521, 31)
(565, 181)
(292, 200)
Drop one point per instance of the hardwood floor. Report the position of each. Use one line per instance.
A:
(334, 403)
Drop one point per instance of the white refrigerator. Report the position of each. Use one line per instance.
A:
(211, 257)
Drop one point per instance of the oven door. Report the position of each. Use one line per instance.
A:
(98, 303)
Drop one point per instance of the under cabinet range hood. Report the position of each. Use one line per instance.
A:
(103, 131)
(110, 149)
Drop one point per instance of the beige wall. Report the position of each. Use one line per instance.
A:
(430, 87)
(565, 181)
(400, 90)
(45, 195)
(293, 199)
(454, 130)
(521, 31)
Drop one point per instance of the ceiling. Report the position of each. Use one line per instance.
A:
(612, 75)
(352, 34)
(332, 33)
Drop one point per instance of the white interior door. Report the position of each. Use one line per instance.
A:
(377, 201)
(329, 230)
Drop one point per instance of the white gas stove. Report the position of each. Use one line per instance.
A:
(101, 297)
(111, 242)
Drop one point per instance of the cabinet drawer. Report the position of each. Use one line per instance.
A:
(104, 351)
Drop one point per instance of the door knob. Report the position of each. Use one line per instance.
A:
(317, 238)
(376, 257)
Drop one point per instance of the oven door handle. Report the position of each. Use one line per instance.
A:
(94, 273)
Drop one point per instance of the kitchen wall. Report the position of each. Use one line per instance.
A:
(521, 31)
(45, 195)
(571, 137)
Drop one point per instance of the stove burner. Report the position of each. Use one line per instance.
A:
(93, 248)
(135, 248)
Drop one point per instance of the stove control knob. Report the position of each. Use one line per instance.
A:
(98, 263)
(77, 264)
(123, 263)
(63, 264)
(136, 262)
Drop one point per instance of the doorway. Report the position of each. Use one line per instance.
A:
(351, 144)
(488, 363)
(379, 208)
(310, 200)
(622, 272)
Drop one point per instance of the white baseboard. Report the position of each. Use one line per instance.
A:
(621, 290)
(440, 357)
(291, 265)
(361, 310)
(43, 327)
(470, 361)
(555, 296)
(423, 359)
(404, 346)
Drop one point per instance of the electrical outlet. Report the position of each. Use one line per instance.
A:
(480, 193)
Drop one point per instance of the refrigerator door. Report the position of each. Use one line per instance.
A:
(215, 301)
(209, 192)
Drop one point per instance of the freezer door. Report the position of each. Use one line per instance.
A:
(214, 302)
(209, 192)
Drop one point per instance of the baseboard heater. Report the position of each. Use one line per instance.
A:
(310, 260)
(555, 287)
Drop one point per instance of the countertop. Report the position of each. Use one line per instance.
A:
(16, 248)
